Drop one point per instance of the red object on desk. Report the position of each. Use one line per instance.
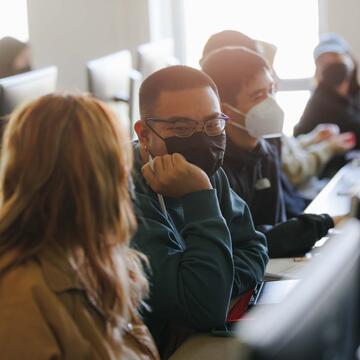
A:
(240, 308)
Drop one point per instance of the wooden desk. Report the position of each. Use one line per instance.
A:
(206, 347)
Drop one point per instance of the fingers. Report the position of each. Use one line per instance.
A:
(157, 164)
(348, 136)
(168, 163)
(149, 176)
(346, 140)
(338, 219)
(165, 171)
(159, 172)
(178, 159)
(333, 128)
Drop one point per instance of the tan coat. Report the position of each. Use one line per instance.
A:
(302, 160)
(45, 314)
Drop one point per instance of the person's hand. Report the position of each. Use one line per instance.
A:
(323, 132)
(343, 142)
(173, 176)
(338, 219)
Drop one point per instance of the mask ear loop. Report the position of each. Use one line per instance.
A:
(233, 123)
(159, 196)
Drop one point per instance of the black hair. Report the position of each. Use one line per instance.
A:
(228, 38)
(231, 68)
(172, 78)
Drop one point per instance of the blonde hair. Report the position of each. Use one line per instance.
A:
(65, 168)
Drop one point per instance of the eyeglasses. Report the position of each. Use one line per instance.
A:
(185, 127)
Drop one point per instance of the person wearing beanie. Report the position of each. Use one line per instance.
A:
(336, 96)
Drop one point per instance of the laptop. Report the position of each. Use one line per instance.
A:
(264, 293)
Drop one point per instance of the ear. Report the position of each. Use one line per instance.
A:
(142, 131)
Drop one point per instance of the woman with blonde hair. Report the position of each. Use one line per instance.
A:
(70, 287)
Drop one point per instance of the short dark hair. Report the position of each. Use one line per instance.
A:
(228, 38)
(231, 68)
(172, 78)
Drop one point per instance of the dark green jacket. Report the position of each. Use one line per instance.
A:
(202, 253)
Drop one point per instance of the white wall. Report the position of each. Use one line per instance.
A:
(342, 17)
(67, 33)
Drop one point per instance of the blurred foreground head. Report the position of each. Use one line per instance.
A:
(64, 177)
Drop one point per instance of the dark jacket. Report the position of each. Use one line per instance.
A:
(254, 176)
(326, 106)
(204, 251)
(285, 237)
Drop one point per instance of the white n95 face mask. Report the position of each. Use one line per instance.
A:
(265, 119)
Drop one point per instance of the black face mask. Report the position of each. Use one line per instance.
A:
(334, 74)
(206, 152)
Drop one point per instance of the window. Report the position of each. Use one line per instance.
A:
(13, 19)
(291, 25)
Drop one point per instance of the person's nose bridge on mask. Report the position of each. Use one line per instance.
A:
(200, 126)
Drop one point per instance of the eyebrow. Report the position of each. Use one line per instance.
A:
(256, 92)
(174, 118)
(212, 116)
(259, 91)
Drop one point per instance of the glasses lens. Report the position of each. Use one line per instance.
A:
(215, 126)
(184, 127)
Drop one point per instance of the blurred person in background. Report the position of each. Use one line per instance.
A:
(15, 57)
(302, 158)
(251, 163)
(336, 96)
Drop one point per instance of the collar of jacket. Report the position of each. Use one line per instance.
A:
(241, 156)
(59, 273)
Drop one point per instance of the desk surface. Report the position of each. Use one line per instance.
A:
(335, 198)
(206, 347)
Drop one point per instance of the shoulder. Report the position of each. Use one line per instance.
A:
(220, 181)
(228, 199)
(19, 287)
(321, 100)
(24, 328)
(19, 281)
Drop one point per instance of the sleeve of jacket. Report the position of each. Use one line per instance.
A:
(249, 246)
(320, 110)
(190, 284)
(299, 163)
(296, 236)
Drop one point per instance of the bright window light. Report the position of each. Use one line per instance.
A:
(293, 104)
(14, 19)
(291, 25)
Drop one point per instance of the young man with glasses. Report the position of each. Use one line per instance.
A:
(197, 233)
